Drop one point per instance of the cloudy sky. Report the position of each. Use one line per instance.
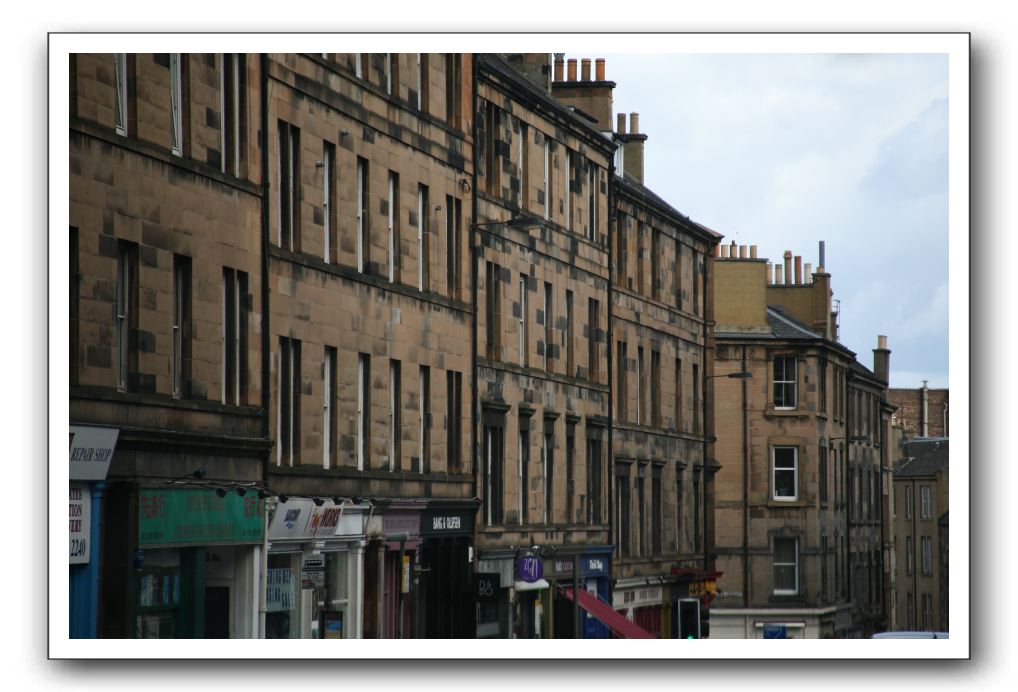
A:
(782, 151)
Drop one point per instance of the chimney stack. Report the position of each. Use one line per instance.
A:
(882, 359)
(593, 99)
(632, 145)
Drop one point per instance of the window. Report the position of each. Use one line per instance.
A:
(926, 546)
(74, 284)
(657, 510)
(593, 337)
(363, 216)
(120, 115)
(547, 179)
(453, 218)
(927, 612)
(548, 335)
(395, 415)
(127, 315)
(454, 402)
(696, 398)
(911, 611)
(329, 428)
(908, 502)
(641, 510)
(621, 247)
(329, 201)
(786, 566)
(655, 388)
(679, 508)
(493, 310)
(823, 567)
(697, 277)
(425, 420)
(678, 394)
(523, 472)
(622, 391)
(289, 186)
(592, 200)
(641, 256)
(925, 502)
(289, 402)
(785, 380)
(549, 470)
(697, 514)
(570, 174)
(423, 247)
(232, 106)
(363, 411)
(570, 472)
(524, 167)
(524, 317)
(823, 386)
(453, 80)
(422, 82)
(360, 64)
(595, 467)
(394, 253)
(176, 104)
(391, 73)
(235, 315)
(494, 428)
(181, 325)
(909, 555)
(678, 274)
(655, 264)
(822, 464)
(623, 526)
(492, 163)
(640, 409)
(570, 366)
(785, 472)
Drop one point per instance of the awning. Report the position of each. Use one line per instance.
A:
(606, 614)
(530, 586)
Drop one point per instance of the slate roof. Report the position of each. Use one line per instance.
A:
(923, 457)
(784, 326)
(638, 189)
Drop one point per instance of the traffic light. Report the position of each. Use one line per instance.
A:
(704, 620)
(689, 618)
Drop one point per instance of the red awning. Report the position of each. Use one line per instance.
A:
(606, 614)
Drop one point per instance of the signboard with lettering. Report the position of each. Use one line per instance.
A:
(703, 588)
(595, 566)
(312, 572)
(198, 516)
(80, 514)
(447, 523)
(290, 520)
(486, 587)
(279, 592)
(529, 569)
(91, 452)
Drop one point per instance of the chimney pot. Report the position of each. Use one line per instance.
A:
(808, 277)
(585, 69)
(778, 278)
(560, 63)
(752, 252)
(599, 69)
(787, 271)
(743, 252)
(572, 69)
(634, 123)
(724, 250)
(798, 270)
(881, 341)
(620, 121)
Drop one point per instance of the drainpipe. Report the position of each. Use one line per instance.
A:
(745, 485)
(264, 116)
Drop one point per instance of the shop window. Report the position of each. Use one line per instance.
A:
(158, 588)
(785, 473)
(282, 596)
(786, 566)
(332, 617)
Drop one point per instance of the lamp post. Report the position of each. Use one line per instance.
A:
(707, 439)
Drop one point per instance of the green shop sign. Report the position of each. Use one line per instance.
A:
(197, 516)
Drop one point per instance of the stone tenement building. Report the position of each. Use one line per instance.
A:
(347, 328)
(922, 412)
(798, 497)
(920, 518)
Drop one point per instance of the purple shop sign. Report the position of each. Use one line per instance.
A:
(530, 569)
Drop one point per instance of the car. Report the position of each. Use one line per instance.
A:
(911, 635)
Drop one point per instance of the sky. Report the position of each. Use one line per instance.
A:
(785, 150)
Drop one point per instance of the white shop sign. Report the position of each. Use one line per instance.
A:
(91, 450)
(636, 597)
(80, 516)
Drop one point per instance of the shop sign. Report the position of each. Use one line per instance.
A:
(595, 566)
(324, 520)
(530, 569)
(775, 632)
(279, 594)
(446, 523)
(80, 515)
(634, 598)
(703, 588)
(561, 568)
(312, 572)
(405, 575)
(486, 586)
(394, 524)
(290, 520)
(198, 516)
(91, 452)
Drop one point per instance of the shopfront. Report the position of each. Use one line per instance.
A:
(444, 603)
(647, 602)
(390, 557)
(195, 568)
(91, 451)
(313, 580)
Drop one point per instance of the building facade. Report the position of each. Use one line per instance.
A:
(922, 412)
(799, 446)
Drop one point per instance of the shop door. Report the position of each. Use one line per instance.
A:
(217, 612)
